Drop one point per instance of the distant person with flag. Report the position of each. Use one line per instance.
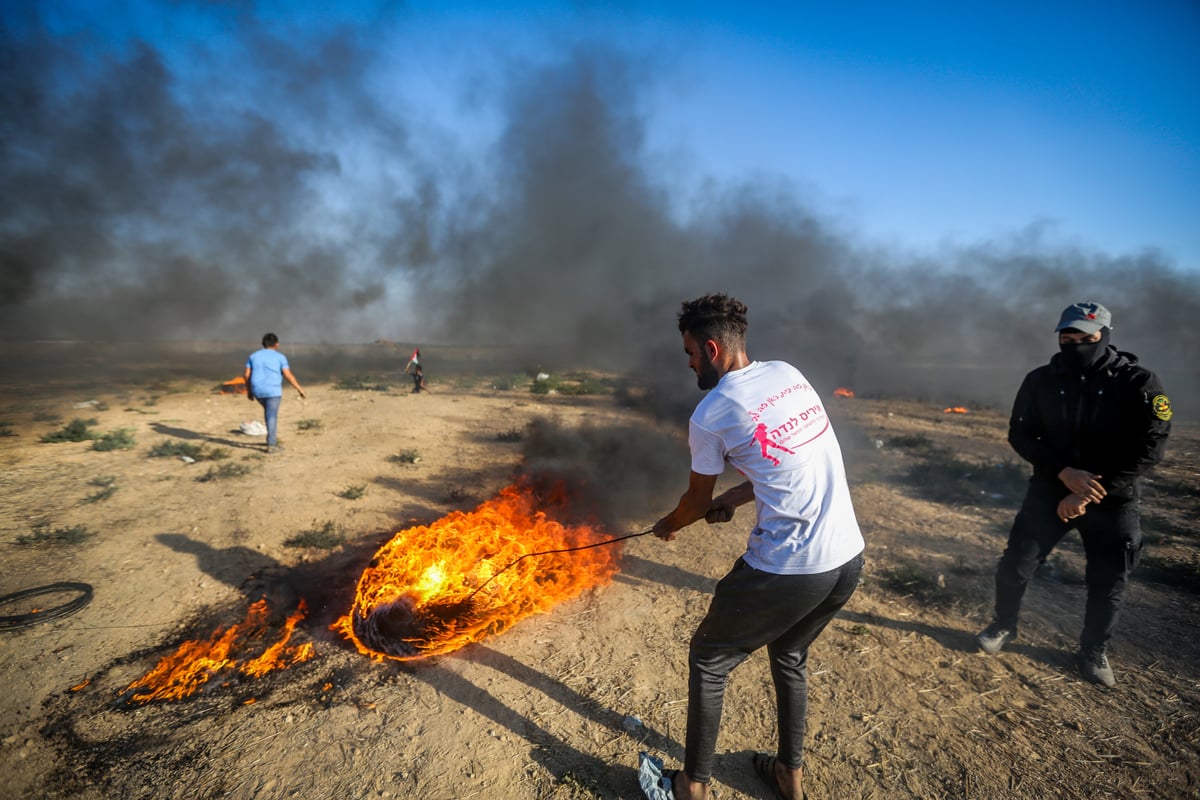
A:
(266, 370)
(414, 368)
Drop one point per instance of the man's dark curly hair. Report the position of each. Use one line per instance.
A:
(714, 316)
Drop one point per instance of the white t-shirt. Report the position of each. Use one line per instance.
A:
(768, 422)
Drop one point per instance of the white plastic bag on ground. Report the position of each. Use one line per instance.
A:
(655, 785)
(252, 427)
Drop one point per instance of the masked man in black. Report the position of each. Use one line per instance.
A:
(1091, 422)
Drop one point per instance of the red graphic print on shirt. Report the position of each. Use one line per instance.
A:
(760, 436)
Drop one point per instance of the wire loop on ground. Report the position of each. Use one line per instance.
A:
(19, 621)
(514, 562)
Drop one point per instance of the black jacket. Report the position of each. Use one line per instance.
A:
(1108, 421)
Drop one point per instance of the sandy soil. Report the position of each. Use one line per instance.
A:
(560, 705)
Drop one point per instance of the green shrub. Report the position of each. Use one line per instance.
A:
(197, 452)
(78, 430)
(544, 385)
(580, 383)
(353, 492)
(308, 425)
(510, 435)
(171, 449)
(574, 384)
(103, 494)
(224, 471)
(42, 535)
(323, 537)
(107, 486)
(120, 439)
(405, 457)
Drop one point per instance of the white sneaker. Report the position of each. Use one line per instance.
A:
(993, 638)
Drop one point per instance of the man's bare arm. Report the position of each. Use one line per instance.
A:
(723, 506)
(694, 504)
(287, 373)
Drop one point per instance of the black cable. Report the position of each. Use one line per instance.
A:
(548, 552)
(19, 621)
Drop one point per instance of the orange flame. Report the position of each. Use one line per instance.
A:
(842, 392)
(954, 410)
(234, 386)
(416, 597)
(185, 672)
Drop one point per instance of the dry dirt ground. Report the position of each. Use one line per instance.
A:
(902, 705)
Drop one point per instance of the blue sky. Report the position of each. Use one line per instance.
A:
(967, 120)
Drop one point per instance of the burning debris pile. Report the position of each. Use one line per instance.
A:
(233, 386)
(433, 589)
(430, 590)
(187, 671)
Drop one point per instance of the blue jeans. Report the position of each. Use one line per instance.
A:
(752, 609)
(271, 414)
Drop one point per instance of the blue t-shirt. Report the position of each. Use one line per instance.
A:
(266, 372)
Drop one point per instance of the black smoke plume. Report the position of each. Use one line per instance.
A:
(146, 199)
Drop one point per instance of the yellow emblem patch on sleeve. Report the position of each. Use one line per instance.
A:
(1162, 407)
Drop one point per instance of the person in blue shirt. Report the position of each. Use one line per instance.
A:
(265, 372)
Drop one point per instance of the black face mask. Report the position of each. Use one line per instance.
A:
(1080, 357)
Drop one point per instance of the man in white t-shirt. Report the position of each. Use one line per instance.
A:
(804, 558)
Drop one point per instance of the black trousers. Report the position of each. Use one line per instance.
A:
(752, 609)
(1112, 541)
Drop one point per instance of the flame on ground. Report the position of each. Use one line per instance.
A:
(235, 386)
(188, 669)
(843, 392)
(954, 410)
(414, 600)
